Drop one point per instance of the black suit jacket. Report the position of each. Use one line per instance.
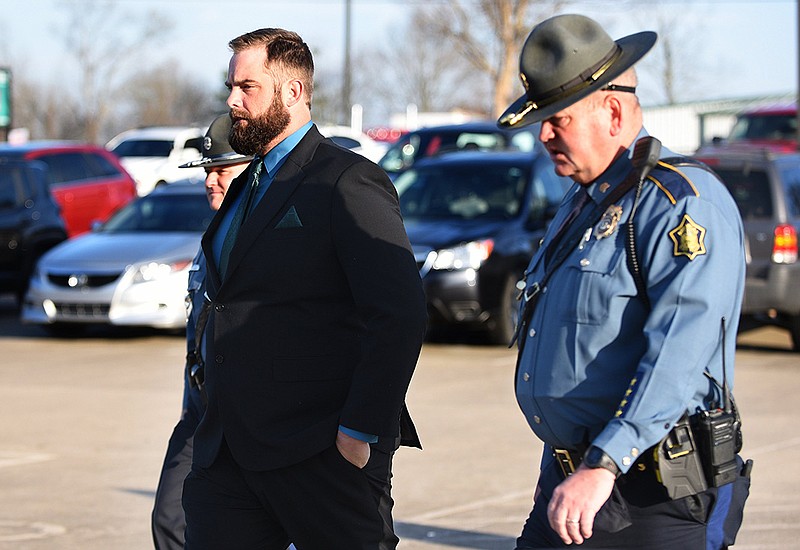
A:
(321, 317)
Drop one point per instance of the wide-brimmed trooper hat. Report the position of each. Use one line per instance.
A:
(217, 151)
(566, 58)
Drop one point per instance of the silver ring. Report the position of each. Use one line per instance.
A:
(573, 521)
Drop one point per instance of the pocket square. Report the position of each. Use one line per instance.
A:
(289, 220)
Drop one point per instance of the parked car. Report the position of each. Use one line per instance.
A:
(772, 127)
(766, 187)
(133, 270)
(435, 140)
(474, 220)
(87, 182)
(153, 155)
(30, 222)
(354, 140)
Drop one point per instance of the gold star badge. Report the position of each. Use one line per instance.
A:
(688, 238)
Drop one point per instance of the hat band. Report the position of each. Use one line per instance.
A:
(574, 86)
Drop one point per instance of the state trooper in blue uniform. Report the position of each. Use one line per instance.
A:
(619, 338)
(222, 164)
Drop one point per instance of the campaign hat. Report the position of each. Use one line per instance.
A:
(566, 58)
(217, 151)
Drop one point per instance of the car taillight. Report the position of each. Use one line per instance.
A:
(784, 249)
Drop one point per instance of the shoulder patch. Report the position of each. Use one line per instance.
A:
(688, 238)
(672, 182)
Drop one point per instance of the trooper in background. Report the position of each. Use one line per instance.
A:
(628, 324)
(222, 164)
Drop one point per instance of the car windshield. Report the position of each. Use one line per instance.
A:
(143, 148)
(162, 212)
(465, 192)
(765, 127)
(416, 145)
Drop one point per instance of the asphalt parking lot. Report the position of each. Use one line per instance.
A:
(84, 424)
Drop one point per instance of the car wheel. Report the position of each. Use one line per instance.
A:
(794, 330)
(504, 320)
(65, 330)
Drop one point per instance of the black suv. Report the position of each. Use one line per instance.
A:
(474, 220)
(30, 222)
(766, 187)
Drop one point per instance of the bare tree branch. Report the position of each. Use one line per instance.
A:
(105, 42)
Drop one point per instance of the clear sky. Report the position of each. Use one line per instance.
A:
(731, 48)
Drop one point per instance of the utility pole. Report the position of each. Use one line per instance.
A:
(344, 116)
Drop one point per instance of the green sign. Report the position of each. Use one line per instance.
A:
(5, 98)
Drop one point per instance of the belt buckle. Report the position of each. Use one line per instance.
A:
(564, 458)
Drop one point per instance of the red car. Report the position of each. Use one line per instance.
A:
(87, 181)
(770, 127)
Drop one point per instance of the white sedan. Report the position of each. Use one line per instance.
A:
(354, 140)
(132, 270)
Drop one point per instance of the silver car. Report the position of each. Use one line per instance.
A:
(132, 270)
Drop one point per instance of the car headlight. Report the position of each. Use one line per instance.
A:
(464, 256)
(154, 271)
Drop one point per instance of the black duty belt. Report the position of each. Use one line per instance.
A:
(567, 460)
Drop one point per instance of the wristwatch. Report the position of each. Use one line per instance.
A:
(596, 458)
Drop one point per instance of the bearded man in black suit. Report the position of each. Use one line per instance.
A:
(316, 317)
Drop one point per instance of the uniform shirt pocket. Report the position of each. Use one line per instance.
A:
(590, 278)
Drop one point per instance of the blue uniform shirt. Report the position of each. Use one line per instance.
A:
(598, 367)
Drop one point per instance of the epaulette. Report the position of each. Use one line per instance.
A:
(669, 177)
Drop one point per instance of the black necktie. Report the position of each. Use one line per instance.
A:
(578, 201)
(245, 205)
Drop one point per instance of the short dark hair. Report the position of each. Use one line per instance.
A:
(287, 54)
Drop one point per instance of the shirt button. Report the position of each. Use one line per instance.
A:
(526, 376)
(537, 419)
(585, 262)
(219, 307)
(626, 461)
(532, 332)
(544, 290)
(634, 452)
(219, 359)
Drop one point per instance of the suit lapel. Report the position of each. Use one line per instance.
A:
(289, 176)
(212, 269)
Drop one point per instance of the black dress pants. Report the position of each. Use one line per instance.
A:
(167, 521)
(654, 522)
(322, 503)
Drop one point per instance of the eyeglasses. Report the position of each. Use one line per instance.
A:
(619, 88)
(563, 121)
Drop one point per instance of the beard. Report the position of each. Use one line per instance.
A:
(250, 135)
